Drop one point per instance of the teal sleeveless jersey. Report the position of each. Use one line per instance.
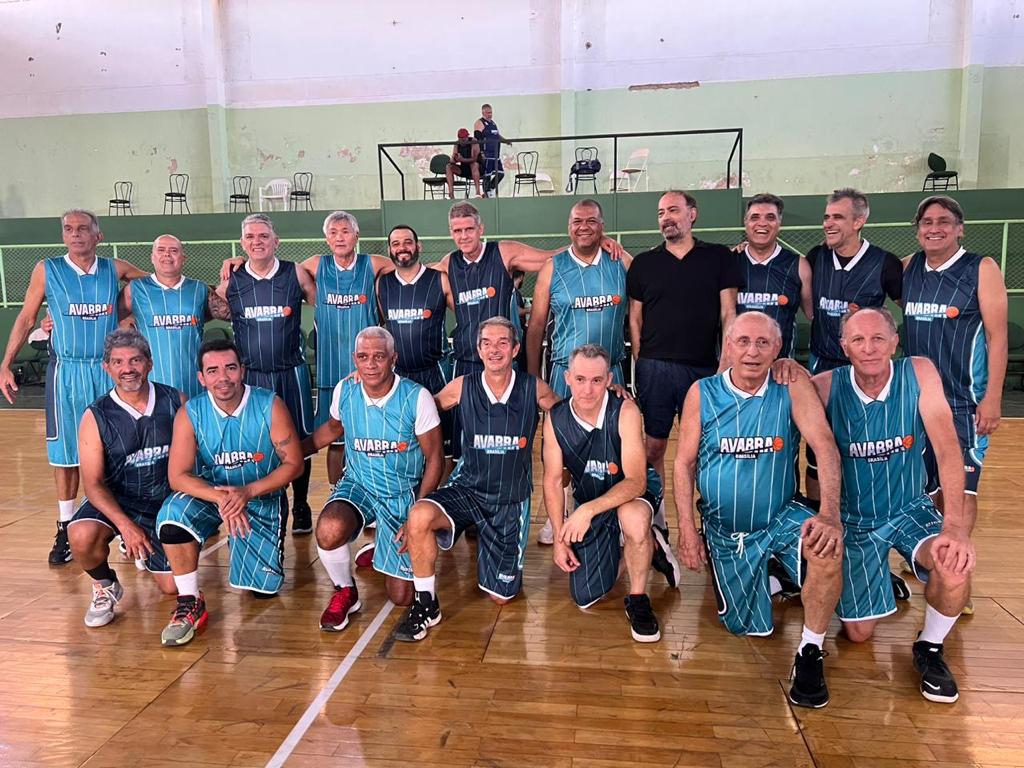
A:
(236, 449)
(880, 443)
(382, 450)
(172, 321)
(588, 306)
(83, 307)
(748, 444)
(345, 304)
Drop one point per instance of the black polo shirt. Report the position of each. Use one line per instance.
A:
(681, 317)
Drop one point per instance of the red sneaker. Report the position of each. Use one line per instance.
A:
(364, 557)
(344, 601)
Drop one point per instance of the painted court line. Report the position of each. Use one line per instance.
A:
(293, 738)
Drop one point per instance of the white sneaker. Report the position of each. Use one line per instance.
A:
(101, 609)
(547, 534)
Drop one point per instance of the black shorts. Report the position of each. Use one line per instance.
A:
(143, 514)
(661, 387)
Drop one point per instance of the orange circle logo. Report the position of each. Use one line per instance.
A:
(286, 311)
(778, 444)
(613, 468)
(362, 299)
(403, 447)
(783, 300)
(258, 456)
(616, 299)
(952, 312)
(491, 293)
(426, 314)
(908, 442)
(194, 320)
(522, 442)
(109, 309)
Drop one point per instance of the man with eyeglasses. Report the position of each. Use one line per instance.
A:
(739, 437)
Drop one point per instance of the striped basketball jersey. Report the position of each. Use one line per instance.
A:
(880, 443)
(414, 313)
(588, 305)
(382, 450)
(172, 321)
(748, 443)
(82, 305)
(773, 287)
(497, 439)
(266, 316)
(481, 289)
(834, 289)
(942, 318)
(136, 446)
(344, 306)
(593, 454)
(234, 449)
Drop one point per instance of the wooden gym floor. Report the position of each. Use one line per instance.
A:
(535, 683)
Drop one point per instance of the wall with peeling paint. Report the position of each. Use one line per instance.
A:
(260, 87)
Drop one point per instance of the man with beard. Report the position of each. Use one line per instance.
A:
(123, 443)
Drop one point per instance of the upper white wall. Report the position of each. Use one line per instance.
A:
(126, 55)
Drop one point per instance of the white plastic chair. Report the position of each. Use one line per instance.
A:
(631, 173)
(275, 189)
(545, 186)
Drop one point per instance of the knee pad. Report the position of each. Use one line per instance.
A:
(175, 534)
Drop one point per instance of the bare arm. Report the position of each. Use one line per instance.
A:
(450, 396)
(809, 416)
(328, 432)
(684, 476)
(823, 386)
(216, 306)
(431, 443)
(554, 501)
(546, 397)
(539, 319)
(310, 265)
(92, 468)
(22, 327)
(806, 295)
(518, 255)
(726, 314)
(634, 463)
(441, 266)
(308, 285)
(636, 323)
(446, 286)
(181, 462)
(381, 265)
(288, 450)
(993, 303)
(938, 424)
(128, 271)
(124, 308)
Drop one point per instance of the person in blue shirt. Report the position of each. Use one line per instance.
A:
(740, 432)
(881, 412)
(80, 290)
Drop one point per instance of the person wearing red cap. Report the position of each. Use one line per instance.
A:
(465, 162)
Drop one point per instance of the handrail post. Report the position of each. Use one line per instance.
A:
(1002, 256)
(380, 171)
(739, 163)
(615, 164)
(3, 278)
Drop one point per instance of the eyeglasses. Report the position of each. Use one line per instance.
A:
(743, 342)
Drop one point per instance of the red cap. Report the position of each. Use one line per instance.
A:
(463, 133)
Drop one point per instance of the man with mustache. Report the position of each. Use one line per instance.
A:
(123, 443)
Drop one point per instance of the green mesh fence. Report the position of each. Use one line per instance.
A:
(1004, 241)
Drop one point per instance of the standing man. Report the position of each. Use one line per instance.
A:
(170, 310)
(344, 306)
(265, 298)
(599, 438)
(80, 290)
(777, 281)
(233, 453)
(394, 457)
(682, 297)
(954, 310)
(740, 435)
(881, 412)
(123, 444)
(412, 301)
(492, 484)
(485, 130)
(848, 273)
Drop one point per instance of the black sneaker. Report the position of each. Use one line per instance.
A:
(787, 587)
(808, 676)
(302, 520)
(900, 588)
(425, 612)
(663, 559)
(60, 552)
(642, 622)
(937, 682)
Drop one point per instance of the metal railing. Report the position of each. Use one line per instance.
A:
(735, 152)
(1003, 240)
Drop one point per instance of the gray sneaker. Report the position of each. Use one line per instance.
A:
(101, 609)
(189, 617)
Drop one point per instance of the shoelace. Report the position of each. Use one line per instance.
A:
(102, 597)
(417, 614)
(182, 611)
(933, 661)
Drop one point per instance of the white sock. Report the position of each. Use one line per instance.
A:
(187, 584)
(338, 564)
(65, 510)
(811, 638)
(775, 587)
(936, 626)
(425, 584)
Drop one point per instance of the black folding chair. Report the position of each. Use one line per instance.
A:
(178, 194)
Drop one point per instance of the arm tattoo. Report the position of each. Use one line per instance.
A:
(219, 308)
(279, 448)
